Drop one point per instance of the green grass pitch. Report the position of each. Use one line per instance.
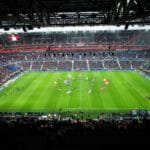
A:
(73, 91)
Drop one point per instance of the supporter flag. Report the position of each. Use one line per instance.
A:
(13, 67)
(13, 37)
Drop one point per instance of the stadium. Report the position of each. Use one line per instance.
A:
(74, 72)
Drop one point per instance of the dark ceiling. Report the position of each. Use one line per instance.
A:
(31, 13)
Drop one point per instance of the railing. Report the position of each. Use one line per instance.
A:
(80, 114)
(25, 48)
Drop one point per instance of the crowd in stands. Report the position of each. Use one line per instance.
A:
(26, 65)
(137, 64)
(5, 74)
(111, 64)
(125, 64)
(96, 65)
(74, 60)
(56, 130)
(49, 65)
(146, 66)
(36, 65)
(64, 65)
(80, 65)
(79, 38)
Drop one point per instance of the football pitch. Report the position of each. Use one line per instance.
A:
(76, 91)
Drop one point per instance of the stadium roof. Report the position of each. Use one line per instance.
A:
(45, 13)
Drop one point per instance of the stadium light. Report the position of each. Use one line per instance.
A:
(76, 29)
(126, 27)
(6, 28)
(24, 29)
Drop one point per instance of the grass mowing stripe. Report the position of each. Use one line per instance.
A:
(49, 102)
(42, 93)
(135, 95)
(30, 95)
(124, 86)
(120, 85)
